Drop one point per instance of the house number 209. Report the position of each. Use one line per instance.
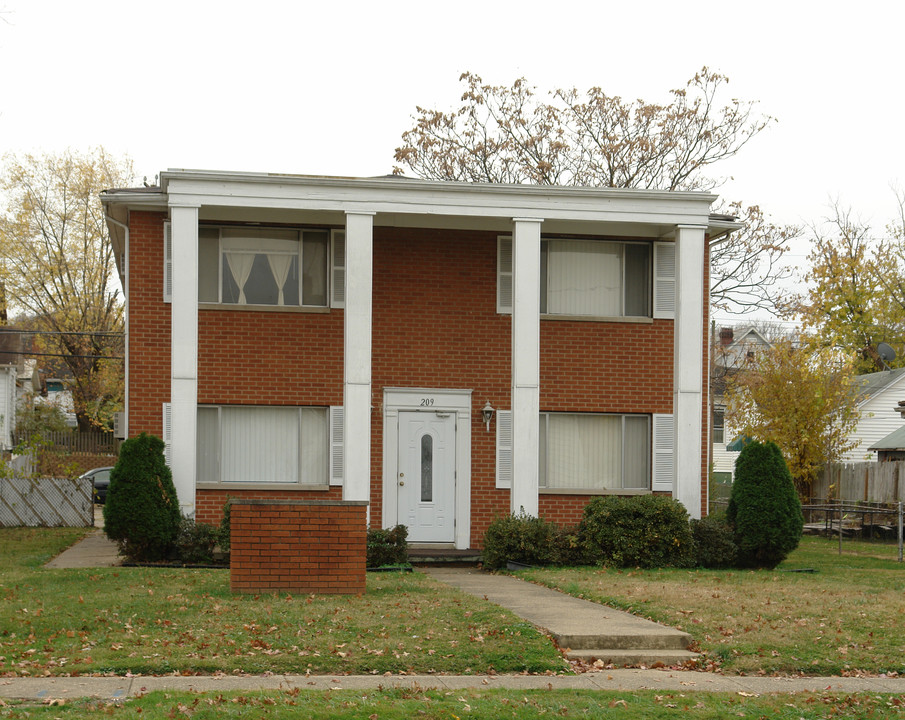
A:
(427, 402)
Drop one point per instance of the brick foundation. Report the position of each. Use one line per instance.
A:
(305, 546)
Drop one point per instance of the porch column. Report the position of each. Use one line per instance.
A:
(525, 363)
(357, 357)
(184, 353)
(688, 365)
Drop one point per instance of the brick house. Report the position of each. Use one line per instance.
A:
(448, 352)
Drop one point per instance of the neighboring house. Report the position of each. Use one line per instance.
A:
(730, 356)
(56, 393)
(10, 367)
(878, 397)
(449, 352)
(892, 447)
(7, 405)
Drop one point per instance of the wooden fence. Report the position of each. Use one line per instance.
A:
(73, 442)
(875, 482)
(46, 502)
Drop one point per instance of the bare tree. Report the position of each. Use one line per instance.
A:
(511, 135)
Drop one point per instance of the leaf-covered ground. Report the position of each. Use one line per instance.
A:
(157, 621)
(460, 704)
(845, 617)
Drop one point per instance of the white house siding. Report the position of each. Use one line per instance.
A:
(723, 459)
(7, 405)
(878, 419)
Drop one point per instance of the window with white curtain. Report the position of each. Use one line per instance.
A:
(253, 444)
(263, 266)
(595, 278)
(586, 451)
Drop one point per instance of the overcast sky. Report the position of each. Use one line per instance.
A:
(321, 88)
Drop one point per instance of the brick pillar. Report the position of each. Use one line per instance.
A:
(307, 546)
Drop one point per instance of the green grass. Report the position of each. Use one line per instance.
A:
(158, 621)
(404, 704)
(847, 617)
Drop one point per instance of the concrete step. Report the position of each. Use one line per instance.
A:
(631, 658)
(660, 638)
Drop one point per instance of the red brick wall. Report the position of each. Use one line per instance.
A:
(435, 325)
(298, 547)
(149, 325)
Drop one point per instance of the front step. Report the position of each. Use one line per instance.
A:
(447, 557)
(628, 658)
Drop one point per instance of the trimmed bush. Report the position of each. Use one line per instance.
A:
(142, 510)
(713, 543)
(387, 547)
(520, 538)
(195, 542)
(764, 510)
(639, 531)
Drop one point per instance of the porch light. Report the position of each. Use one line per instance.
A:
(487, 413)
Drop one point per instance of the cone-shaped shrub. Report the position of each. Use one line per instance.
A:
(764, 509)
(142, 511)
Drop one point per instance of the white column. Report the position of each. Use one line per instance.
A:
(688, 365)
(184, 353)
(357, 357)
(525, 363)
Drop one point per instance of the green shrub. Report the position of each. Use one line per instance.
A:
(764, 510)
(195, 542)
(224, 537)
(387, 547)
(569, 547)
(638, 531)
(520, 538)
(713, 543)
(142, 510)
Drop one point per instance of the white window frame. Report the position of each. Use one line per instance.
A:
(661, 303)
(334, 444)
(335, 280)
(542, 454)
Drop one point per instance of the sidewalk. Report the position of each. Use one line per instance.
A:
(116, 688)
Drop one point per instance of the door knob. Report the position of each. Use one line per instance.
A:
(401, 483)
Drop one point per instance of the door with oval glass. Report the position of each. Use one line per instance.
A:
(426, 482)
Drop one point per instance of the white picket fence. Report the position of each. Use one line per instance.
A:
(46, 502)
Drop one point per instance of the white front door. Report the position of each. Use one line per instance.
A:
(426, 479)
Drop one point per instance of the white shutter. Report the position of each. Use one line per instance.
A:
(504, 275)
(665, 280)
(167, 262)
(504, 448)
(336, 445)
(338, 269)
(168, 434)
(664, 456)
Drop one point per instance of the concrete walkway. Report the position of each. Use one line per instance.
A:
(120, 688)
(584, 630)
(94, 550)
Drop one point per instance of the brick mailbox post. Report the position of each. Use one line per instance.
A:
(298, 546)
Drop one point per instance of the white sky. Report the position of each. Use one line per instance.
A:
(321, 88)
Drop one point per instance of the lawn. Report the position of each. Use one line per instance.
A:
(158, 621)
(848, 616)
(403, 704)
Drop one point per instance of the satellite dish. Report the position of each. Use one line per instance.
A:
(886, 353)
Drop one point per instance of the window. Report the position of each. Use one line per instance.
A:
(584, 451)
(251, 444)
(263, 266)
(718, 424)
(594, 277)
(597, 278)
